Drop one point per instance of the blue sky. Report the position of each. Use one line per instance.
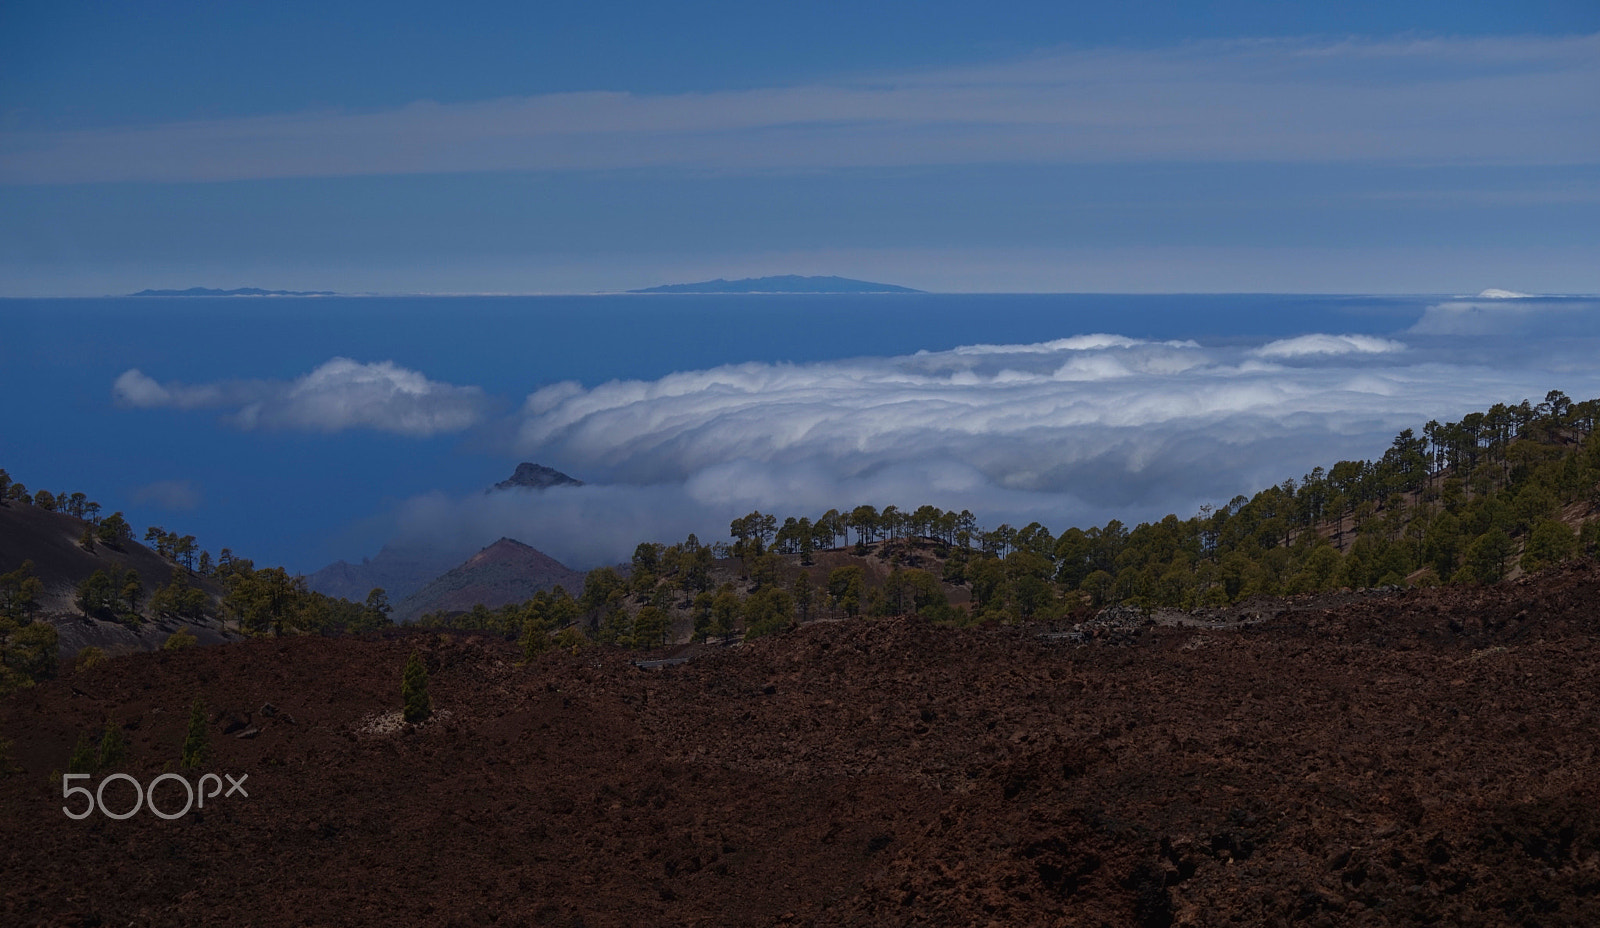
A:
(1248, 146)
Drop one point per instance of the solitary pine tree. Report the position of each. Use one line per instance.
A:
(84, 756)
(196, 746)
(414, 690)
(113, 747)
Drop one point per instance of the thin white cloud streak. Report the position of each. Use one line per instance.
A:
(1490, 100)
(339, 395)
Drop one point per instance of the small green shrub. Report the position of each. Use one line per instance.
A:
(182, 638)
(90, 658)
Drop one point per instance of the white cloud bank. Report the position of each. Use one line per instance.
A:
(1419, 101)
(340, 394)
(1503, 312)
(1032, 418)
(1073, 431)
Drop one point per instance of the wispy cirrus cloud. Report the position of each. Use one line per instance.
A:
(1527, 100)
(339, 395)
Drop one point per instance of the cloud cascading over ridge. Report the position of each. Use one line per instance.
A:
(340, 394)
(1058, 417)
(1397, 100)
(1073, 431)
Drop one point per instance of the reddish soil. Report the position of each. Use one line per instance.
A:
(1426, 757)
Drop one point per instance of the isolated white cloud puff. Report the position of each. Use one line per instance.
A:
(340, 394)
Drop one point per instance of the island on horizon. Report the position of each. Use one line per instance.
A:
(786, 283)
(242, 291)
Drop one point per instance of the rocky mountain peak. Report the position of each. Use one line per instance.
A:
(537, 477)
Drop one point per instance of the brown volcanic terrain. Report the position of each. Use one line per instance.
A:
(1425, 757)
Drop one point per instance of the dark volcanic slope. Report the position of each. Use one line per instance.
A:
(50, 540)
(1428, 758)
(507, 571)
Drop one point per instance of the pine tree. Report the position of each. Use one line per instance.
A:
(112, 747)
(414, 690)
(83, 755)
(196, 746)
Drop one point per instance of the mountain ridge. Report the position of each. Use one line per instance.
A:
(502, 573)
(401, 570)
(240, 291)
(783, 283)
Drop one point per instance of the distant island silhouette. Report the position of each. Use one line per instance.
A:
(242, 291)
(787, 283)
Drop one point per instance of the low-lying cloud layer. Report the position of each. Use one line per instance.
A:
(1073, 431)
(1503, 312)
(339, 395)
(1056, 418)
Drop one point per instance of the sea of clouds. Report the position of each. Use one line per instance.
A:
(1073, 431)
